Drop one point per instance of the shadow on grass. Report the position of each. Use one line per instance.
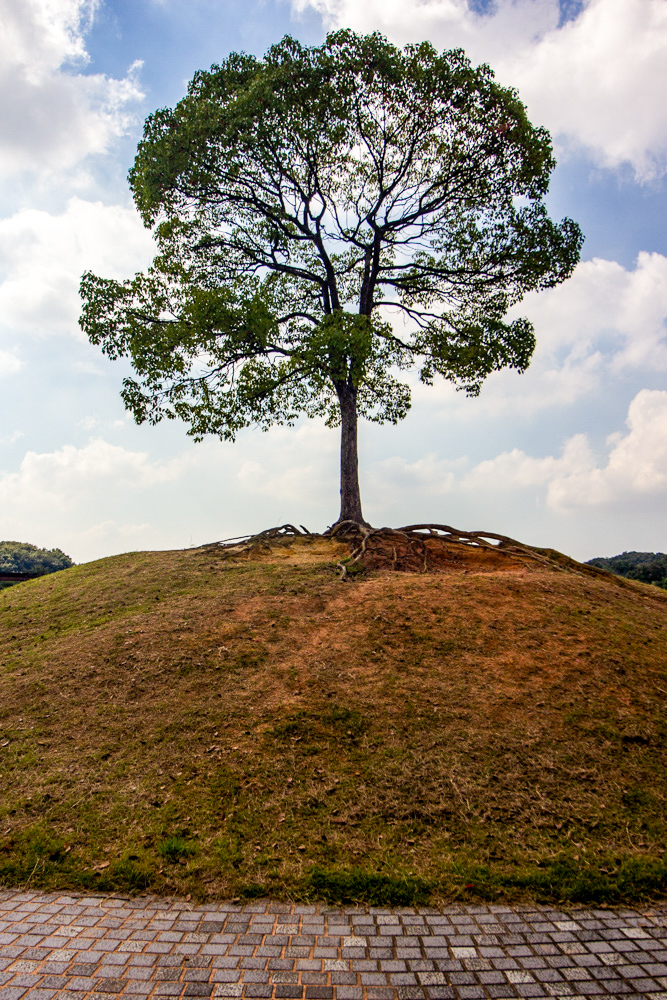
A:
(373, 888)
(633, 880)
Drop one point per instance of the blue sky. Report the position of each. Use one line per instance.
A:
(573, 454)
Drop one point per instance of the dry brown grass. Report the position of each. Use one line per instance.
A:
(216, 723)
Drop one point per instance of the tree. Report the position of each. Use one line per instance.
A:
(648, 567)
(22, 557)
(300, 200)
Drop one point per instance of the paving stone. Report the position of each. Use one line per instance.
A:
(109, 986)
(57, 947)
(81, 984)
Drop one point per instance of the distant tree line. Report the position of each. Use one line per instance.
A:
(22, 557)
(647, 567)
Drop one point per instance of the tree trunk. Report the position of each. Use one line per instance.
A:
(350, 498)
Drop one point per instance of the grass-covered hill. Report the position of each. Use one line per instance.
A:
(209, 723)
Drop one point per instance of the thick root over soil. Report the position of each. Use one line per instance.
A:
(431, 547)
(415, 548)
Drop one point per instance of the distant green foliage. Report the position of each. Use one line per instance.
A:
(647, 567)
(21, 557)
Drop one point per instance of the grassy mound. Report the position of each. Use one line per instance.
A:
(224, 725)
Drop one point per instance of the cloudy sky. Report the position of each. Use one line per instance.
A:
(572, 454)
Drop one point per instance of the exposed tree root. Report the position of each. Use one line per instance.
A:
(424, 547)
(263, 541)
(412, 548)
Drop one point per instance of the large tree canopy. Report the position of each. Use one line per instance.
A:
(301, 202)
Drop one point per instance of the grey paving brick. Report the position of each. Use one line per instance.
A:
(382, 953)
(81, 984)
(168, 974)
(373, 979)
(225, 962)
(402, 979)
(256, 976)
(196, 975)
(25, 980)
(109, 986)
(343, 978)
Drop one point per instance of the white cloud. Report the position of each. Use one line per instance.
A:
(295, 464)
(102, 497)
(85, 500)
(635, 468)
(605, 321)
(42, 257)
(51, 116)
(601, 80)
(597, 81)
(514, 470)
(637, 463)
(447, 23)
(72, 477)
(10, 363)
(397, 475)
(11, 438)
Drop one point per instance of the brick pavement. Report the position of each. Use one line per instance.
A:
(66, 947)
